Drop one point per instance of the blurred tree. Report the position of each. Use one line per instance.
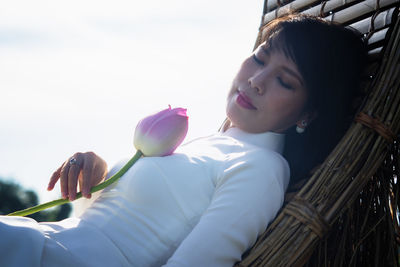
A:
(13, 197)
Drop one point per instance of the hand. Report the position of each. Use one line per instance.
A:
(86, 168)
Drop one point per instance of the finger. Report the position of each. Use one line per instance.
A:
(73, 174)
(80, 178)
(64, 179)
(100, 172)
(81, 184)
(87, 174)
(54, 178)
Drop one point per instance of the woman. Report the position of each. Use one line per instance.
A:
(206, 204)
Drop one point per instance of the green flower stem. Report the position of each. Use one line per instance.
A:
(96, 188)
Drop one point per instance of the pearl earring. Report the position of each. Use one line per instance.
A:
(301, 130)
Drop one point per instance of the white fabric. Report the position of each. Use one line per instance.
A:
(202, 206)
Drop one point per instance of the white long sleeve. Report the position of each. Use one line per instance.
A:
(204, 205)
(246, 199)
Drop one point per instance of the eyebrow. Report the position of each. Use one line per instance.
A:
(286, 69)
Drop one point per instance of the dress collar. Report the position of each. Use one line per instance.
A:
(268, 140)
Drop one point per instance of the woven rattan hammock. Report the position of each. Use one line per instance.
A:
(347, 214)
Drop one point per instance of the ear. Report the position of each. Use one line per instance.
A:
(306, 119)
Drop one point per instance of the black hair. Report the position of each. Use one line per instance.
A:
(331, 59)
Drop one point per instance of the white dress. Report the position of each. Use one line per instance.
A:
(202, 206)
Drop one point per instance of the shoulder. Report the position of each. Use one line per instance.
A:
(259, 166)
(271, 163)
(260, 159)
(268, 157)
(255, 181)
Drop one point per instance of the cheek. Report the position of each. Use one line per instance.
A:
(244, 72)
(288, 108)
(240, 80)
(231, 91)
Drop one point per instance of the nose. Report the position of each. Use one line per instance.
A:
(256, 83)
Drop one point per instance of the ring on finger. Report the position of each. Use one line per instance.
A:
(72, 161)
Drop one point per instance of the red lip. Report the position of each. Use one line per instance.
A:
(244, 101)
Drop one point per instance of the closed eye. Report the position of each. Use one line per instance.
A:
(286, 85)
(257, 60)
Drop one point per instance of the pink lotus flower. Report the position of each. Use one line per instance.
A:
(160, 134)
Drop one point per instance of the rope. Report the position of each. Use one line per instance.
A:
(322, 11)
(376, 125)
(307, 214)
(372, 22)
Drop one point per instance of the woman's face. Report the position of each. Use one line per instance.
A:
(267, 94)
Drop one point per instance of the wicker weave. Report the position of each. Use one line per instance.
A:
(347, 213)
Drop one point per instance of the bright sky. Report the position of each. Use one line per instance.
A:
(78, 75)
